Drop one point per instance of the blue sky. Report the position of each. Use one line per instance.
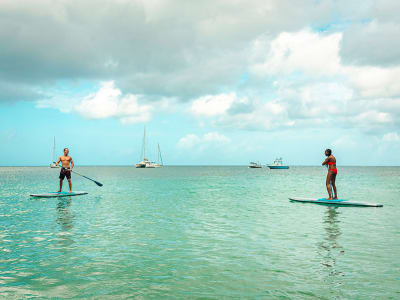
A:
(213, 84)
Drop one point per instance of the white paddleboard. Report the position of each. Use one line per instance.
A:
(56, 194)
(338, 202)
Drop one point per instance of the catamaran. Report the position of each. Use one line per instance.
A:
(145, 163)
(53, 164)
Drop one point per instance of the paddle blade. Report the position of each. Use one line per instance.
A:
(98, 183)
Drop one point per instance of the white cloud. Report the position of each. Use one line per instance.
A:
(233, 111)
(213, 105)
(318, 54)
(190, 141)
(305, 51)
(374, 116)
(215, 137)
(316, 87)
(341, 74)
(319, 100)
(108, 102)
(374, 82)
(196, 47)
(391, 137)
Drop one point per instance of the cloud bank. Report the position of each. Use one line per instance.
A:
(260, 65)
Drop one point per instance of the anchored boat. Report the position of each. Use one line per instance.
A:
(145, 163)
(278, 164)
(254, 165)
(159, 163)
(53, 164)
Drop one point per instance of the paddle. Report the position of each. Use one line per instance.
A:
(96, 182)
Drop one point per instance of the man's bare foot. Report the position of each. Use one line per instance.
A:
(334, 198)
(329, 198)
(59, 191)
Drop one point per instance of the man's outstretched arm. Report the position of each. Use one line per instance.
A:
(58, 161)
(72, 164)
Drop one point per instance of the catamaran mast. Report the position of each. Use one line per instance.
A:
(54, 150)
(159, 155)
(144, 143)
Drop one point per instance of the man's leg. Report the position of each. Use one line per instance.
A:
(61, 183)
(70, 185)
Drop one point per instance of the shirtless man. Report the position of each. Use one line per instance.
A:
(65, 169)
(330, 162)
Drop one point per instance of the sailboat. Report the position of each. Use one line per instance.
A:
(159, 163)
(53, 164)
(145, 163)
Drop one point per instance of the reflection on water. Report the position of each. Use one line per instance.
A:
(65, 219)
(329, 246)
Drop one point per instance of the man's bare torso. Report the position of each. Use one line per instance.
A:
(65, 161)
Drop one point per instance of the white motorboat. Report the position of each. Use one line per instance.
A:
(255, 165)
(278, 164)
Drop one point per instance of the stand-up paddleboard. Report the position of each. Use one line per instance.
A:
(56, 194)
(338, 202)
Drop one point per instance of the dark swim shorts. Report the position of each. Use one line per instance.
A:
(65, 173)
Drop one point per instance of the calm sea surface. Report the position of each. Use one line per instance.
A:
(199, 233)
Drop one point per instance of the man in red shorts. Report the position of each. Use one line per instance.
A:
(66, 160)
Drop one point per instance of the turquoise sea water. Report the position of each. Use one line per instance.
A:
(199, 233)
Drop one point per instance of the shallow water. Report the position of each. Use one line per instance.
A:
(199, 232)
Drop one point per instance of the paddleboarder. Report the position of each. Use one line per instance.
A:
(330, 162)
(66, 166)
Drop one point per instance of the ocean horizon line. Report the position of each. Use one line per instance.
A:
(189, 165)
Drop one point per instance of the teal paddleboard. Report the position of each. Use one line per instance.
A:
(56, 194)
(338, 202)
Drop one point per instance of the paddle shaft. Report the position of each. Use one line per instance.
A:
(96, 182)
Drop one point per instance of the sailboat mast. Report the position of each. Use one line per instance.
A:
(159, 155)
(54, 149)
(144, 143)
